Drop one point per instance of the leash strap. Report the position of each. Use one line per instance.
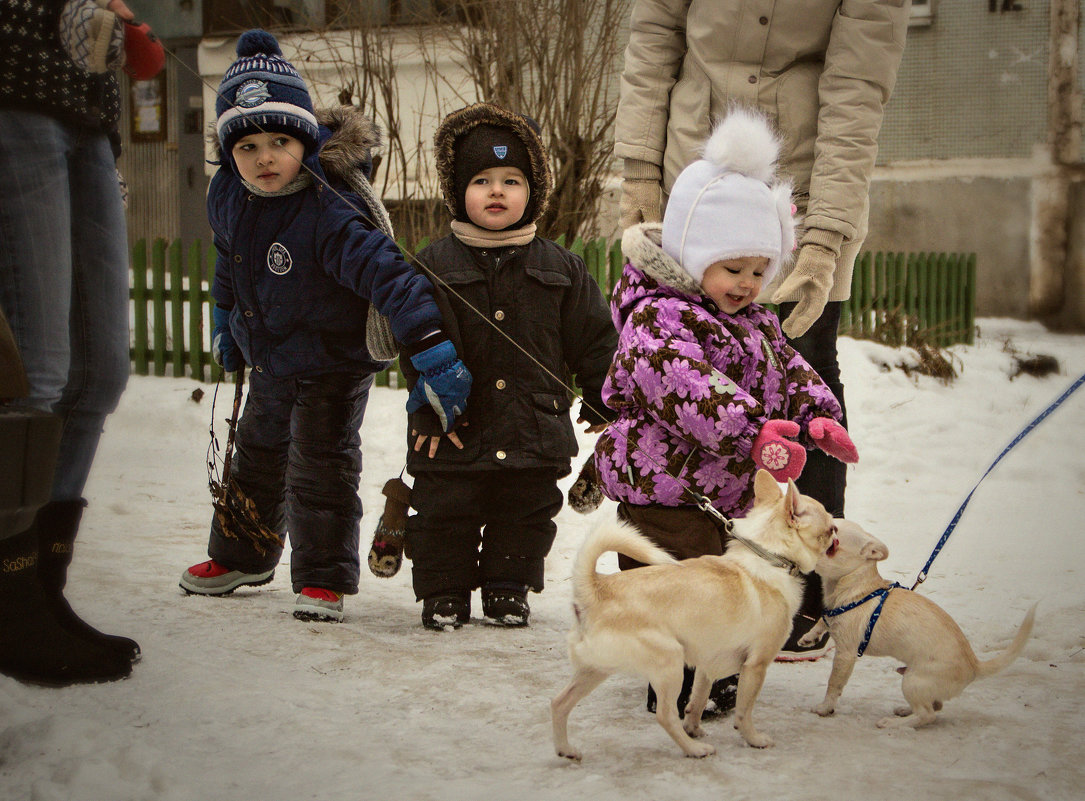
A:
(884, 593)
(728, 526)
(1024, 433)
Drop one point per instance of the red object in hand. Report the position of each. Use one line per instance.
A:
(144, 55)
(773, 451)
(833, 438)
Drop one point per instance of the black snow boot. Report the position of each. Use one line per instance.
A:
(505, 604)
(35, 646)
(57, 524)
(446, 610)
(721, 698)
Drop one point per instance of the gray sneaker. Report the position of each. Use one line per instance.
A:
(317, 603)
(211, 578)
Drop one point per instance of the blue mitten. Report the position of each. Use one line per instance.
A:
(444, 383)
(223, 348)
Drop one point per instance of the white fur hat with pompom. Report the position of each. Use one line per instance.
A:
(730, 203)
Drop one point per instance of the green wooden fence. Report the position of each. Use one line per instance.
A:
(896, 298)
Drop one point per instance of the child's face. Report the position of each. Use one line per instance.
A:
(268, 160)
(496, 198)
(734, 283)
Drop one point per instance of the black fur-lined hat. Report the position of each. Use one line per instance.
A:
(481, 136)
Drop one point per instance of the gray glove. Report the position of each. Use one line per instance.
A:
(92, 35)
(811, 280)
(640, 195)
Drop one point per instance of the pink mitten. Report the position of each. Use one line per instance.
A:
(833, 438)
(772, 450)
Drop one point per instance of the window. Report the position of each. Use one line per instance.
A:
(233, 16)
(922, 12)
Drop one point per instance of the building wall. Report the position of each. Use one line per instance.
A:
(965, 161)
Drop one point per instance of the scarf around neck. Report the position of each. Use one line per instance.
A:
(475, 237)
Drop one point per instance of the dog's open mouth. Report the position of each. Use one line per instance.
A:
(833, 548)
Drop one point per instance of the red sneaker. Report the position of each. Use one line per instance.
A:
(317, 603)
(211, 578)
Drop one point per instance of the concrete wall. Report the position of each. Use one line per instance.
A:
(989, 216)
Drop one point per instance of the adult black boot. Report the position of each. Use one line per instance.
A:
(57, 524)
(34, 645)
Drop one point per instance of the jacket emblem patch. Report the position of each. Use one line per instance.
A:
(278, 259)
(501, 151)
(252, 93)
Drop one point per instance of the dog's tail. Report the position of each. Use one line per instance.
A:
(992, 666)
(612, 535)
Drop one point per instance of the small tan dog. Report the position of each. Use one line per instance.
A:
(938, 661)
(719, 614)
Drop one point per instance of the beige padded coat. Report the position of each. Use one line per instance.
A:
(822, 69)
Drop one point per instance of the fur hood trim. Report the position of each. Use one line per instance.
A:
(347, 147)
(642, 246)
(460, 122)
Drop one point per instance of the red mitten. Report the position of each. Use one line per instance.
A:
(833, 438)
(773, 451)
(143, 53)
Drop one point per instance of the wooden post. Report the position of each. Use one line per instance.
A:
(197, 358)
(177, 308)
(139, 311)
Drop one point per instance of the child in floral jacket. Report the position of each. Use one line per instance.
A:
(706, 387)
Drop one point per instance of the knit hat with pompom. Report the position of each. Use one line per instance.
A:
(262, 92)
(730, 203)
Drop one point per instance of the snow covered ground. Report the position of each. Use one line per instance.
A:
(235, 699)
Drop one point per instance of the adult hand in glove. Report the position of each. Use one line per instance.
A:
(811, 280)
(773, 451)
(443, 382)
(833, 438)
(224, 349)
(640, 194)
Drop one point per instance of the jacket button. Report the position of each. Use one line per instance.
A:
(248, 313)
(500, 383)
(259, 369)
(555, 404)
(764, 20)
(752, 79)
(500, 454)
(237, 258)
(499, 315)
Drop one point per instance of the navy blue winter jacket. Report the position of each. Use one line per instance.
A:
(299, 271)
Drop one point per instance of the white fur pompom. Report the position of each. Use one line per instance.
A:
(743, 142)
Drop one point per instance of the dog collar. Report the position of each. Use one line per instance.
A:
(728, 527)
(773, 559)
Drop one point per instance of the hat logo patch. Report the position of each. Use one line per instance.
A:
(252, 93)
(278, 259)
(501, 151)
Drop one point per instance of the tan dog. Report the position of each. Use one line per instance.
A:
(938, 661)
(720, 614)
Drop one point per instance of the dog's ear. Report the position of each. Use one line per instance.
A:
(792, 503)
(875, 550)
(765, 488)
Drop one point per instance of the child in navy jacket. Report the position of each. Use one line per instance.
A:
(300, 271)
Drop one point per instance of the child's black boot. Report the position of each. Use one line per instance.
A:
(446, 609)
(505, 604)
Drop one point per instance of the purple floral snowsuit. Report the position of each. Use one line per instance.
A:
(692, 386)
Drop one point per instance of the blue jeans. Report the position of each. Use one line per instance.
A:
(64, 278)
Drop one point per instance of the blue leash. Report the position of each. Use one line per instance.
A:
(884, 591)
(1024, 433)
